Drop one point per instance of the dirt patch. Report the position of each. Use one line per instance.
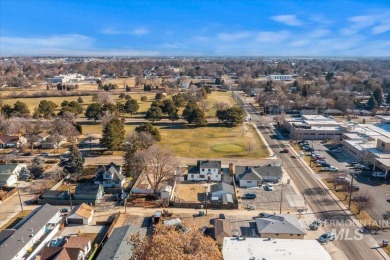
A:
(189, 192)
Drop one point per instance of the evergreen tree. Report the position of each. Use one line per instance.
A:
(20, 109)
(232, 116)
(193, 114)
(377, 93)
(168, 107)
(388, 98)
(304, 91)
(75, 164)
(173, 116)
(372, 103)
(113, 135)
(148, 127)
(46, 108)
(131, 106)
(80, 100)
(153, 114)
(94, 111)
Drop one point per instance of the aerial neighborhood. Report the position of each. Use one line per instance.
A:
(159, 130)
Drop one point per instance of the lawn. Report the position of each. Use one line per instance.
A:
(15, 220)
(212, 141)
(216, 97)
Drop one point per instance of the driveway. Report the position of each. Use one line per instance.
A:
(270, 200)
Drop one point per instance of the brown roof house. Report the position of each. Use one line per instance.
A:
(8, 141)
(75, 248)
(80, 215)
(222, 228)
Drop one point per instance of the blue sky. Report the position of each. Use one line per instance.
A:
(211, 28)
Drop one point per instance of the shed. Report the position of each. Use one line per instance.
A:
(80, 215)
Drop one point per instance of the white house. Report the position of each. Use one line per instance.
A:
(33, 232)
(7, 179)
(253, 176)
(205, 171)
(9, 173)
(81, 214)
(110, 176)
(12, 168)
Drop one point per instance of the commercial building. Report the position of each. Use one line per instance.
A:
(314, 127)
(257, 248)
(280, 77)
(70, 78)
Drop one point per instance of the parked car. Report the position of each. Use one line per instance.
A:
(64, 210)
(316, 223)
(331, 169)
(379, 174)
(361, 167)
(222, 216)
(27, 154)
(325, 164)
(325, 238)
(285, 150)
(345, 188)
(249, 196)
(353, 163)
(269, 186)
(45, 154)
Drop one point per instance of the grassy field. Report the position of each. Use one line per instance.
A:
(212, 141)
(33, 103)
(216, 97)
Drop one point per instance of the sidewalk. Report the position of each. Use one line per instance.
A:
(341, 205)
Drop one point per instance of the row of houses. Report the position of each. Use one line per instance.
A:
(44, 139)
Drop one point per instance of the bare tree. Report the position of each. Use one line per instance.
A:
(103, 97)
(204, 105)
(364, 200)
(106, 118)
(221, 105)
(159, 165)
(250, 147)
(187, 245)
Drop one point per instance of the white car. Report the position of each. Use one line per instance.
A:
(379, 174)
(331, 169)
(269, 186)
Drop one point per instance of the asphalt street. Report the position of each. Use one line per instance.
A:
(318, 199)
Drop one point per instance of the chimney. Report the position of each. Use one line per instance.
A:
(232, 169)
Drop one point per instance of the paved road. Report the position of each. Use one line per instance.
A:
(320, 202)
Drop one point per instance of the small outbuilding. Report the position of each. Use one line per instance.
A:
(80, 215)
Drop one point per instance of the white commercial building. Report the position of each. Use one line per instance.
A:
(314, 127)
(70, 78)
(280, 77)
(259, 248)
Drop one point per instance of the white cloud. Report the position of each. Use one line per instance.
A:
(115, 31)
(318, 33)
(233, 36)
(382, 27)
(62, 45)
(290, 20)
(139, 31)
(272, 37)
(69, 41)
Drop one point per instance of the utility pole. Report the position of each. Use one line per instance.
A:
(20, 199)
(281, 200)
(205, 197)
(70, 197)
(350, 190)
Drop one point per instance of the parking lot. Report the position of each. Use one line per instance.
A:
(363, 179)
(270, 200)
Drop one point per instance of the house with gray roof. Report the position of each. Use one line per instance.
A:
(205, 170)
(117, 246)
(34, 231)
(110, 176)
(280, 226)
(252, 176)
(217, 190)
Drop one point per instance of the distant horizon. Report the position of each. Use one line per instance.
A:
(215, 28)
